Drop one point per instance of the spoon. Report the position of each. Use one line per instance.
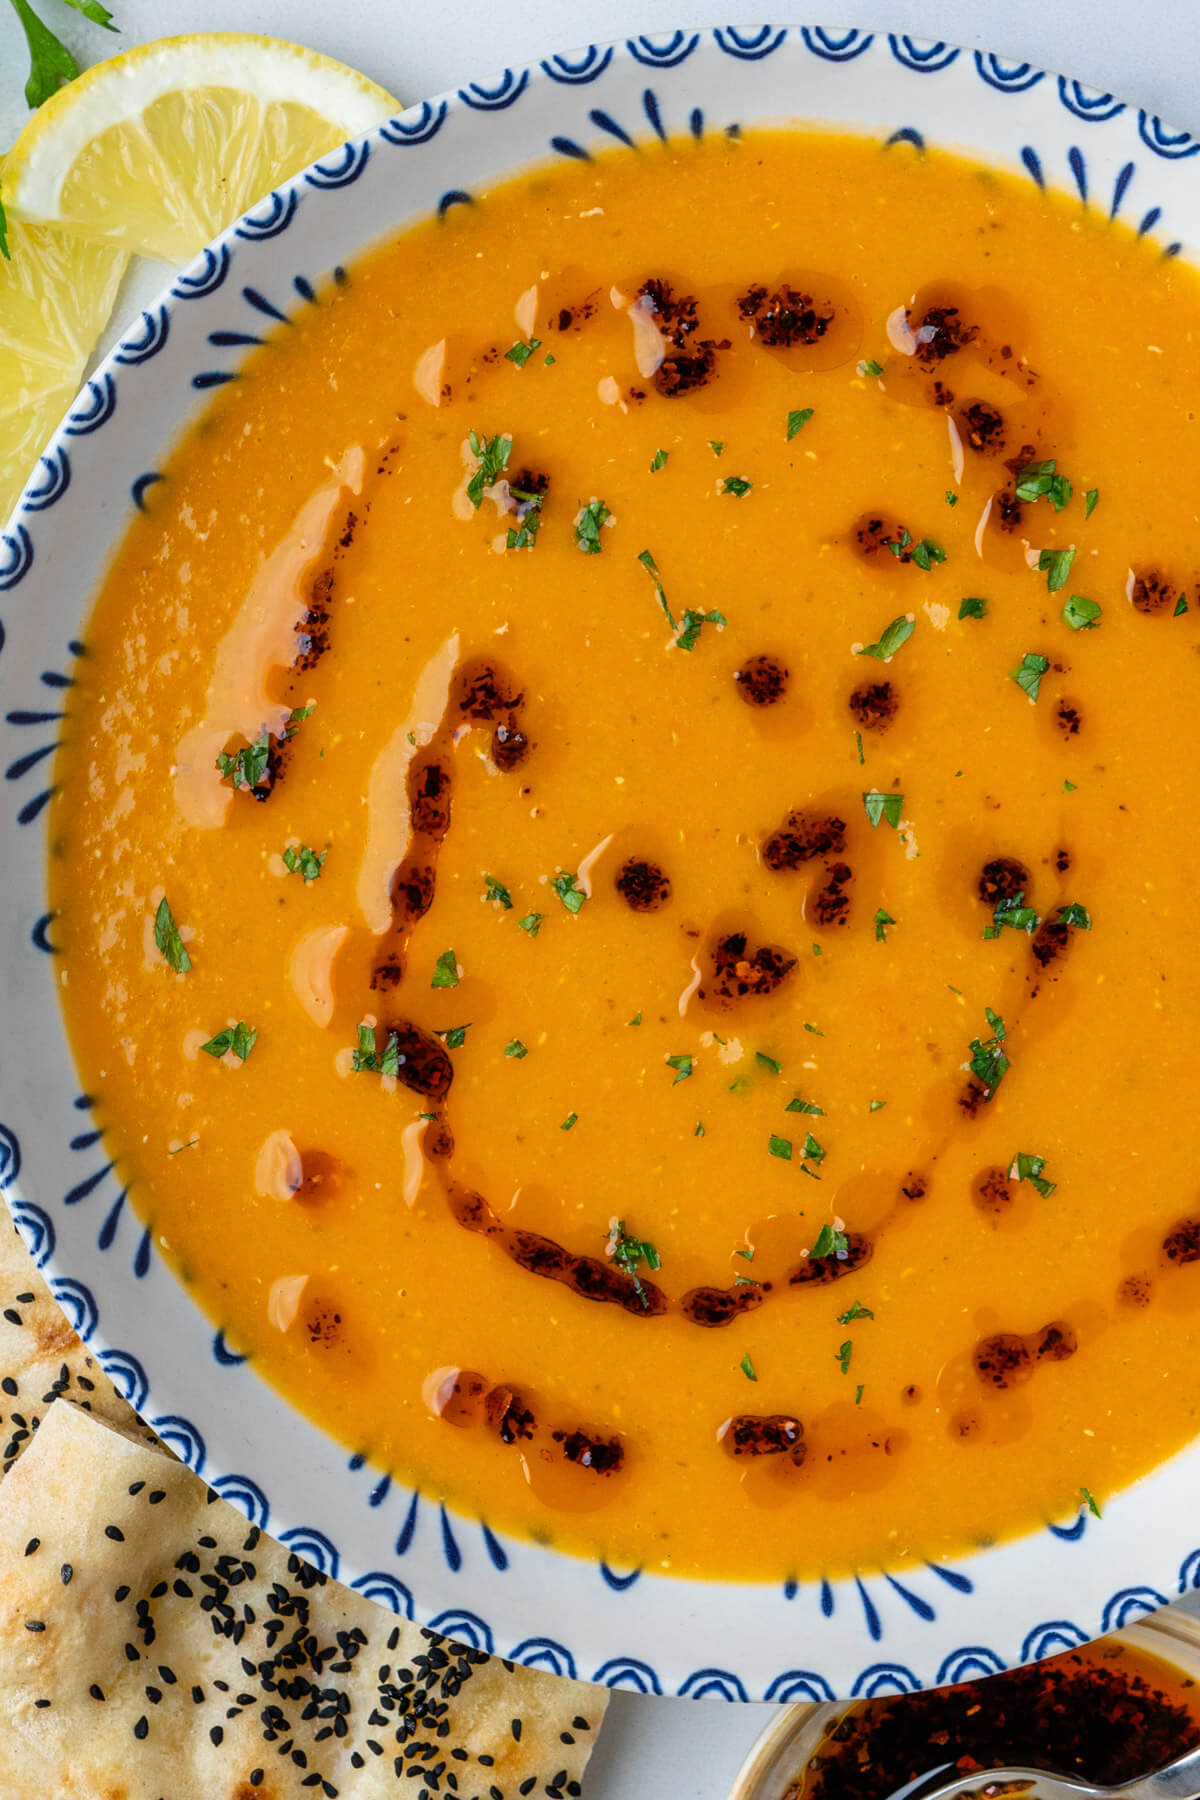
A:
(1178, 1780)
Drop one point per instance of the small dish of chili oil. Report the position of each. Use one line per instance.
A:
(1107, 1712)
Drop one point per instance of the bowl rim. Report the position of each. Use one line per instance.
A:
(874, 1632)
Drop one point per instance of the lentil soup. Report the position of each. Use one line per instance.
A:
(626, 862)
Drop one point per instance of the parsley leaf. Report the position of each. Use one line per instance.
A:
(856, 1311)
(1015, 913)
(629, 1253)
(516, 1048)
(297, 717)
(747, 1368)
(924, 554)
(1076, 915)
(1085, 1494)
(1029, 1168)
(699, 1131)
(651, 567)
(882, 921)
(532, 923)
(768, 1062)
(972, 609)
(989, 1063)
(951, 498)
(883, 806)
(1089, 502)
(1038, 481)
(366, 1062)
(683, 1066)
(843, 1355)
(691, 623)
(445, 970)
(166, 936)
(529, 520)
(1081, 614)
(1028, 673)
(521, 351)
(571, 895)
(830, 1242)
(493, 454)
(779, 1146)
(239, 1038)
(805, 1106)
(496, 891)
(870, 368)
(813, 1151)
(897, 633)
(796, 421)
(737, 485)
(454, 1039)
(50, 62)
(659, 461)
(1057, 565)
(587, 526)
(246, 767)
(716, 445)
(304, 861)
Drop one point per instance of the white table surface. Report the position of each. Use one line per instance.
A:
(1147, 52)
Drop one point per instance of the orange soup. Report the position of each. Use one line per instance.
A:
(627, 864)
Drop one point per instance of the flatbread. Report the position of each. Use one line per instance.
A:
(155, 1646)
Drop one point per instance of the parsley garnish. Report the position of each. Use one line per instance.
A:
(871, 368)
(737, 485)
(1029, 1168)
(883, 806)
(1085, 1494)
(1057, 564)
(1012, 912)
(166, 936)
(897, 633)
(1089, 502)
(1074, 914)
(1181, 607)
(1069, 787)
(521, 351)
(366, 1062)
(683, 1066)
(304, 861)
(882, 921)
(989, 1064)
(636, 1020)
(496, 890)
(493, 454)
(924, 554)
(844, 1353)
(445, 970)
(716, 445)
(876, 1105)
(629, 1253)
(1038, 481)
(529, 520)
(247, 767)
(180, 1148)
(569, 1122)
(858, 745)
(239, 1038)
(515, 1047)
(856, 1311)
(813, 1151)
(297, 717)
(796, 421)
(455, 1037)
(659, 461)
(1028, 673)
(1081, 614)
(747, 1368)
(830, 1242)
(951, 498)
(780, 1146)
(651, 567)
(768, 1062)
(699, 1131)
(587, 526)
(532, 923)
(805, 1106)
(972, 609)
(859, 1391)
(690, 624)
(50, 62)
(569, 892)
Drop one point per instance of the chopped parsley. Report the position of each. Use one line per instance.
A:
(813, 1152)
(651, 567)
(780, 1147)
(796, 421)
(493, 454)
(1057, 565)
(1038, 481)
(690, 626)
(683, 1066)
(1076, 915)
(304, 861)
(843, 1355)
(716, 445)
(170, 944)
(636, 1019)
(297, 717)
(858, 746)
(659, 461)
(805, 1106)
(588, 524)
(629, 1253)
(830, 1242)
(239, 1038)
(1028, 673)
(247, 767)
(1089, 502)
(856, 1311)
(529, 520)
(496, 890)
(366, 1062)
(882, 921)
(521, 351)
(859, 1391)
(566, 886)
(1069, 787)
(870, 368)
(768, 1062)
(445, 970)
(737, 485)
(1015, 913)
(924, 554)
(1081, 614)
(747, 1368)
(515, 1048)
(1085, 1494)
(951, 498)
(699, 1131)
(1181, 607)
(532, 923)
(876, 1105)
(883, 806)
(180, 1148)
(455, 1037)
(569, 1122)
(972, 609)
(1029, 1168)
(897, 633)
(989, 1063)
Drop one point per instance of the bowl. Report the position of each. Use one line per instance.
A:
(883, 1630)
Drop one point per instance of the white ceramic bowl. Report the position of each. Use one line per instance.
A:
(882, 1631)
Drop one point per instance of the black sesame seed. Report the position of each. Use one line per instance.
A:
(34, 1625)
(132, 1653)
(65, 1574)
(197, 1696)
(32, 1545)
(121, 1594)
(528, 1785)
(43, 1703)
(137, 1487)
(115, 1533)
(156, 1496)
(256, 1777)
(564, 1737)
(10, 1387)
(13, 1316)
(96, 1691)
(154, 1695)
(216, 1734)
(142, 1728)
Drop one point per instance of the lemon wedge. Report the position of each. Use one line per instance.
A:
(55, 298)
(160, 148)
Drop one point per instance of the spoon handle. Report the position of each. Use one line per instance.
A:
(1178, 1780)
